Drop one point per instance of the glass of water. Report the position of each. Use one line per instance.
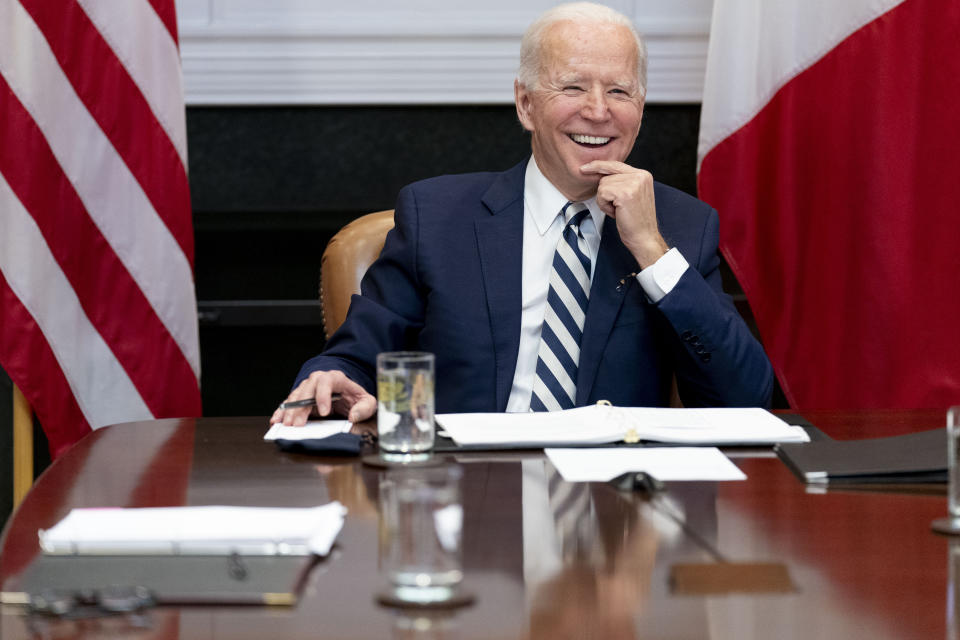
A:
(951, 524)
(953, 464)
(421, 519)
(405, 405)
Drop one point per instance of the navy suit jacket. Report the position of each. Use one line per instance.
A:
(449, 281)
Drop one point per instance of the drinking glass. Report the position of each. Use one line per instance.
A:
(951, 524)
(405, 399)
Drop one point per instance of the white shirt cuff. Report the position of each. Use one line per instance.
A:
(662, 276)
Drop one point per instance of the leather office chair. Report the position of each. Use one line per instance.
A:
(347, 257)
(22, 446)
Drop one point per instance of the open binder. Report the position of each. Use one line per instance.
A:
(183, 555)
(603, 424)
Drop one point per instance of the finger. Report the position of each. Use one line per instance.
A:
(322, 393)
(363, 409)
(295, 416)
(607, 197)
(607, 167)
(291, 417)
(606, 204)
(332, 382)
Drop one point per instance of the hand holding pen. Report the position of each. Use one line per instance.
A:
(325, 391)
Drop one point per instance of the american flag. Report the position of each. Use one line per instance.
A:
(98, 320)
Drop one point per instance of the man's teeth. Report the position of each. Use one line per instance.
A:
(589, 139)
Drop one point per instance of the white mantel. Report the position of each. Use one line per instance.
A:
(249, 52)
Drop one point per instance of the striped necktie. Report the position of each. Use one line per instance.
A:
(555, 385)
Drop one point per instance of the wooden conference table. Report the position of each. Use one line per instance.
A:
(861, 564)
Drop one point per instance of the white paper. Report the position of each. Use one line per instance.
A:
(313, 429)
(663, 463)
(604, 424)
(544, 427)
(210, 530)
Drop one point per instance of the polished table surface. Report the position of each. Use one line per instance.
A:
(861, 563)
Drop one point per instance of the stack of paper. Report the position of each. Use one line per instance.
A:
(196, 530)
(600, 424)
(313, 429)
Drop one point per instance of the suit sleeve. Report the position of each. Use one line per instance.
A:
(388, 315)
(717, 360)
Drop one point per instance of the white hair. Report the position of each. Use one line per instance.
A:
(531, 47)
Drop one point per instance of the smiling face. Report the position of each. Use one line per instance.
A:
(588, 104)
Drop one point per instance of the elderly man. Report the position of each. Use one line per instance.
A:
(568, 279)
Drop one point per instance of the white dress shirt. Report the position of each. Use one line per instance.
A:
(542, 230)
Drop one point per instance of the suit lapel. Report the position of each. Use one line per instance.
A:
(500, 244)
(614, 261)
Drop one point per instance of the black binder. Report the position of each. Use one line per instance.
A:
(914, 458)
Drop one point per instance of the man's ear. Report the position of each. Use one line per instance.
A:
(523, 99)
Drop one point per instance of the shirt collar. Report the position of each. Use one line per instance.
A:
(544, 201)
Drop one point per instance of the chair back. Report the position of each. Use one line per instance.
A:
(347, 256)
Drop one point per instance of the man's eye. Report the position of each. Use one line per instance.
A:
(619, 91)
(573, 88)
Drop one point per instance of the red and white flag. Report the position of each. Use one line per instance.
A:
(98, 319)
(829, 145)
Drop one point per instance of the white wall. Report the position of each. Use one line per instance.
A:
(402, 51)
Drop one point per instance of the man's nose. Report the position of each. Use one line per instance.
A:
(595, 105)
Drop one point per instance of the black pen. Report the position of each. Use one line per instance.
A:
(306, 402)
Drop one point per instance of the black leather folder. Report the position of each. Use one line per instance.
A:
(914, 458)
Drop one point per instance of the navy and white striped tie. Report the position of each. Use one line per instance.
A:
(555, 385)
